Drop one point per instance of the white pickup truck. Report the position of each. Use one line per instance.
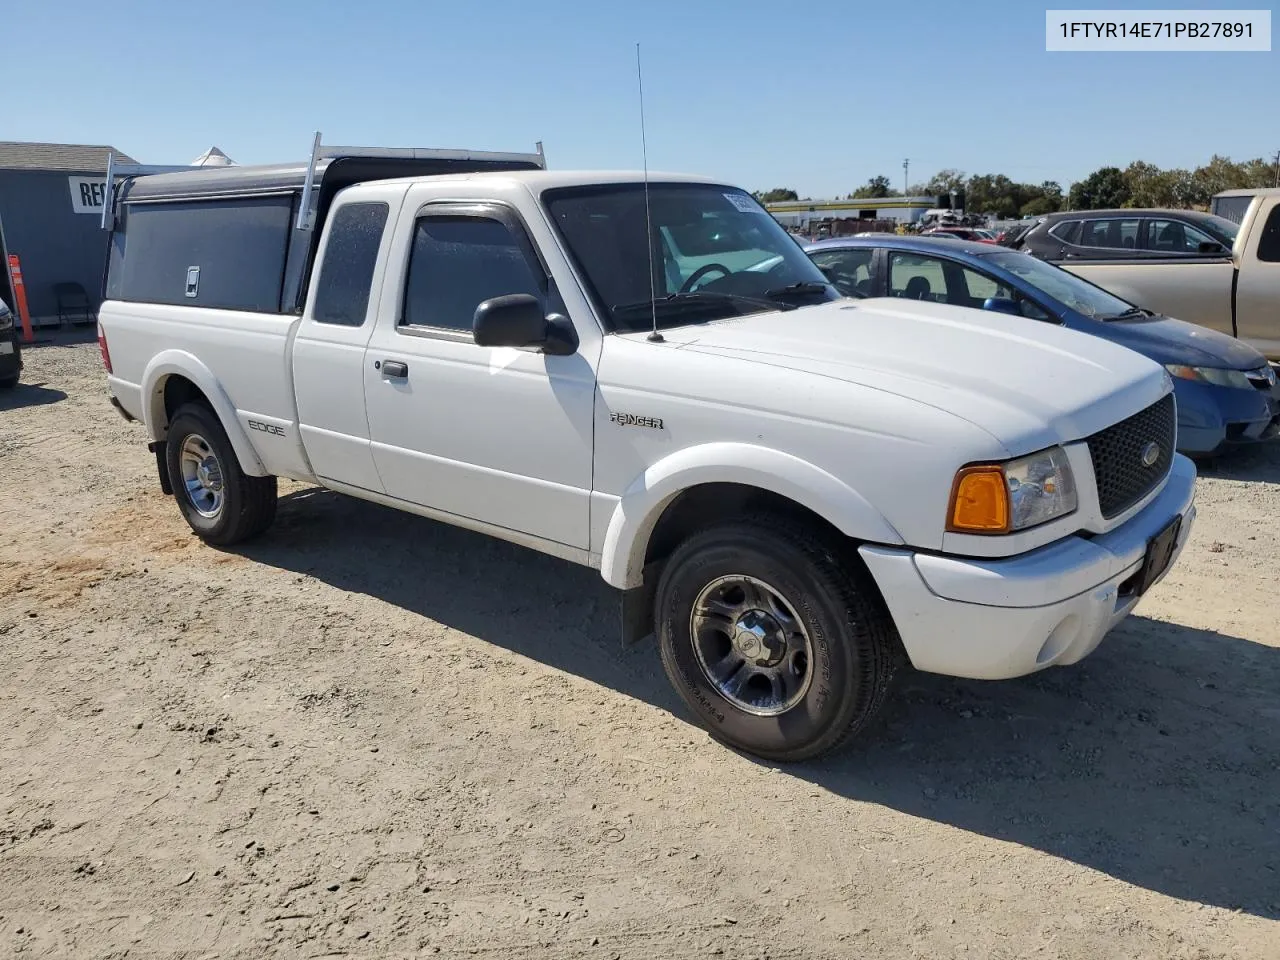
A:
(794, 492)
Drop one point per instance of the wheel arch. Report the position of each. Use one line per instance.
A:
(174, 377)
(701, 484)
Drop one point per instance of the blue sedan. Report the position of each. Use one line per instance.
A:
(1226, 391)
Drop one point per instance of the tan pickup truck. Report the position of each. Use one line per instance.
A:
(1238, 294)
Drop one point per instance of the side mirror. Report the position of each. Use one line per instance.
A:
(517, 320)
(1211, 246)
(1002, 305)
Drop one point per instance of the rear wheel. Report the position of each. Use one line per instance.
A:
(775, 637)
(219, 501)
(8, 383)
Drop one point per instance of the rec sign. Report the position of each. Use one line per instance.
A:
(87, 194)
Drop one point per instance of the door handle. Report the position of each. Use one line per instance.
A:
(394, 369)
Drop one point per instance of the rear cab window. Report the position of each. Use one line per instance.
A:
(351, 254)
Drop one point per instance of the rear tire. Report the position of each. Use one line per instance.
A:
(218, 500)
(776, 637)
(8, 383)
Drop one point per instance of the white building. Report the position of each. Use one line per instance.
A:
(800, 213)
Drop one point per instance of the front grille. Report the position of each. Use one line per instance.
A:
(1117, 454)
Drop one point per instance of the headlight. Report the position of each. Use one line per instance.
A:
(6, 318)
(1220, 378)
(1005, 497)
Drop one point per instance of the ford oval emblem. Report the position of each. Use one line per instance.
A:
(1150, 454)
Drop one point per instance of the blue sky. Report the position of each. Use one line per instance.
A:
(818, 97)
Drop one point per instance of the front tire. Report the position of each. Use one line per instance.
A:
(775, 637)
(218, 500)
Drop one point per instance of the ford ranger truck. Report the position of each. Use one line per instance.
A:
(794, 493)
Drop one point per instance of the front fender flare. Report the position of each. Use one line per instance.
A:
(638, 511)
(180, 363)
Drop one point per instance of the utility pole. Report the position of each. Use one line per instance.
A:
(1278, 168)
(905, 165)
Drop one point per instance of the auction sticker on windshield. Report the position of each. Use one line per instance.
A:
(743, 203)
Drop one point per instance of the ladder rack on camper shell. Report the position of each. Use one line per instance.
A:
(307, 208)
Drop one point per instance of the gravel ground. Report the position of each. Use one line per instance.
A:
(371, 735)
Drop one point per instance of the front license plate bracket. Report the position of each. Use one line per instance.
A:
(1159, 556)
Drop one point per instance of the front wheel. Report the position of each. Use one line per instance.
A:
(776, 639)
(221, 503)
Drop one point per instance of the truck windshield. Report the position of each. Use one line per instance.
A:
(715, 252)
(1068, 289)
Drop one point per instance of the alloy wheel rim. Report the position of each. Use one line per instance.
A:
(751, 645)
(202, 478)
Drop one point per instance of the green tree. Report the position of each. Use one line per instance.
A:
(1102, 189)
(1038, 207)
(777, 195)
(1260, 172)
(1219, 174)
(944, 182)
(877, 186)
(1149, 186)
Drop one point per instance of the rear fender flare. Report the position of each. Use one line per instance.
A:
(169, 363)
(638, 511)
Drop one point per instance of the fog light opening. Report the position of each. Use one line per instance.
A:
(1058, 642)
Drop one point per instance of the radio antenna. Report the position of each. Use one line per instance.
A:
(654, 335)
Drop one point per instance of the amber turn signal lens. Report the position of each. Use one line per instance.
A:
(979, 501)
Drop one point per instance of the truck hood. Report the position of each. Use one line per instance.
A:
(1029, 385)
(1166, 340)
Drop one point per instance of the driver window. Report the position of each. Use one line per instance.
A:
(917, 278)
(458, 262)
(1173, 236)
(848, 270)
(978, 289)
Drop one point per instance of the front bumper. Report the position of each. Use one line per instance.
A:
(1212, 418)
(995, 619)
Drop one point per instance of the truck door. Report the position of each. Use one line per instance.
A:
(498, 435)
(328, 351)
(1258, 287)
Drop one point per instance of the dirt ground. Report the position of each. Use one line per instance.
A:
(370, 735)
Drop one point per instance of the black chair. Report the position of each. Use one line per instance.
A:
(73, 302)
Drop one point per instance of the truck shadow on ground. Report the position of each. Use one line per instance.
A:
(29, 395)
(1155, 761)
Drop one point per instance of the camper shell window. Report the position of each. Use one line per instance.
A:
(237, 248)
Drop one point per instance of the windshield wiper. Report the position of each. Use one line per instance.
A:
(1131, 312)
(695, 301)
(804, 288)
